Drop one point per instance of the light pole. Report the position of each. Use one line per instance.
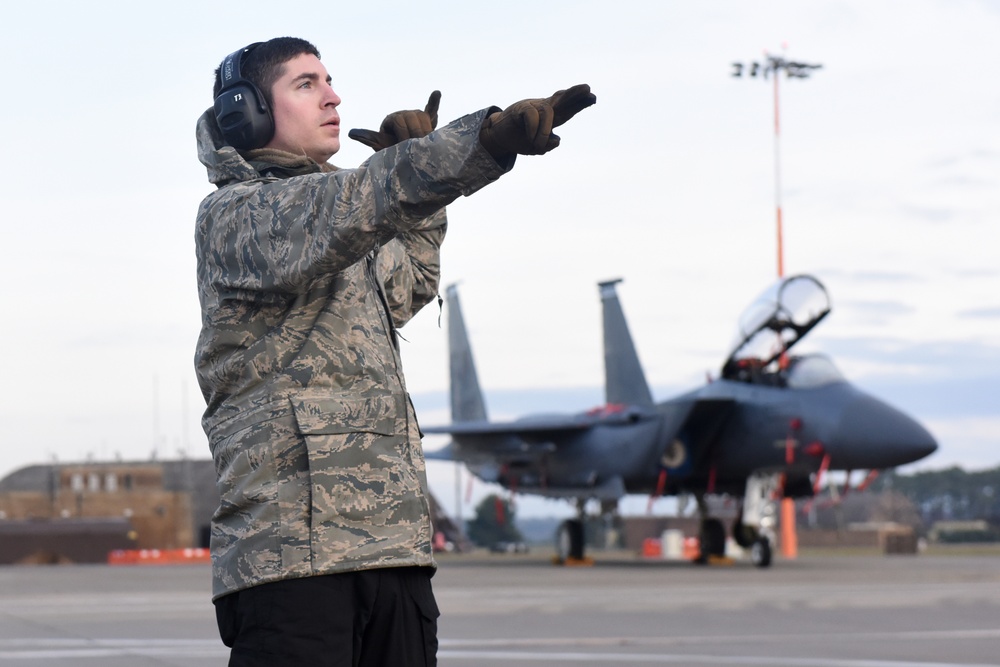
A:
(770, 68)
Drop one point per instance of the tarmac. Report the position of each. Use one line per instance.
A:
(516, 609)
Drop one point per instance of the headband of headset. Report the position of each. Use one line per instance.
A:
(240, 109)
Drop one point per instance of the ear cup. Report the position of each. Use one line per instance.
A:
(244, 117)
(240, 109)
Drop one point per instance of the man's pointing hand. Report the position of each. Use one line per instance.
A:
(401, 125)
(525, 127)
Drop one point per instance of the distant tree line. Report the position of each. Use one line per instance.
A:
(919, 500)
(951, 494)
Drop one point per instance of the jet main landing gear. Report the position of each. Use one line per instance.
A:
(569, 541)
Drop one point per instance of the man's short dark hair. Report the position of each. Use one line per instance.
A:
(265, 64)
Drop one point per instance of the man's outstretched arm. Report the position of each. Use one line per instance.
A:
(523, 128)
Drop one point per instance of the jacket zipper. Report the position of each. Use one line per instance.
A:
(377, 286)
(394, 341)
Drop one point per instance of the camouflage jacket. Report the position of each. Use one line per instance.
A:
(303, 276)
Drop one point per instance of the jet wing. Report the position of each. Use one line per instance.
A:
(526, 439)
(540, 425)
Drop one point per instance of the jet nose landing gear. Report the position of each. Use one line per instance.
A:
(760, 552)
(755, 526)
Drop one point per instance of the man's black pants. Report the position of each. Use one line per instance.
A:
(371, 618)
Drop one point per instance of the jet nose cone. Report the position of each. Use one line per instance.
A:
(872, 434)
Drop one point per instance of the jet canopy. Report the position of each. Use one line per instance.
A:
(811, 371)
(774, 322)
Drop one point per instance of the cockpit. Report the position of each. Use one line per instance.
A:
(767, 330)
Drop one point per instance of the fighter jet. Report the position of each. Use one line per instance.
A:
(767, 428)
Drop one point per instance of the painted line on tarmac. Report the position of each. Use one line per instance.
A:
(736, 661)
(74, 649)
(907, 635)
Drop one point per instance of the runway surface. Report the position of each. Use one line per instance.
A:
(831, 611)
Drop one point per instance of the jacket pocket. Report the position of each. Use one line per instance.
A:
(329, 415)
(367, 502)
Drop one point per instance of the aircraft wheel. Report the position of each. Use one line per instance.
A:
(743, 534)
(760, 552)
(569, 540)
(712, 538)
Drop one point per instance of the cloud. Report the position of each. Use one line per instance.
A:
(970, 443)
(973, 155)
(873, 313)
(953, 399)
(953, 357)
(975, 273)
(928, 214)
(167, 336)
(840, 275)
(988, 313)
(881, 308)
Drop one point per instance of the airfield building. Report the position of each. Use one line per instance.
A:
(78, 512)
(56, 508)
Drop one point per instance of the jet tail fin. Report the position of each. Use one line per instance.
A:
(624, 380)
(466, 397)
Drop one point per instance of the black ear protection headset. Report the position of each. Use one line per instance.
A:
(240, 108)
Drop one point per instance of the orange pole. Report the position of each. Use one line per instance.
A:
(789, 537)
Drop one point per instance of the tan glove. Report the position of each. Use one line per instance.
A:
(401, 125)
(525, 127)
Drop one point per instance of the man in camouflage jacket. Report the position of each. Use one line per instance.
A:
(304, 274)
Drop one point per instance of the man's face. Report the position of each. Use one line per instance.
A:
(305, 110)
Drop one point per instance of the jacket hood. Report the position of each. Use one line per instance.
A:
(223, 162)
(227, 165)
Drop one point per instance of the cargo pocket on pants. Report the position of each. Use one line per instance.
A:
(419, 586)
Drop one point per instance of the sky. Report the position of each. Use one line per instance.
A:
(889, 182)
